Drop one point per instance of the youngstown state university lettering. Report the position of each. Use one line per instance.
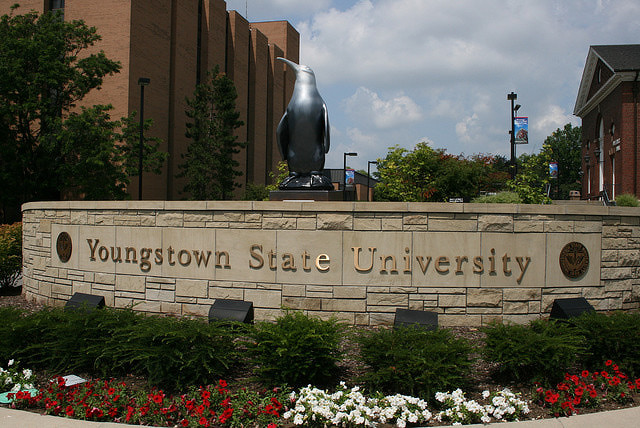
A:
(145, 256)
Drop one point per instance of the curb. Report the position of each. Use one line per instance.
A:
(622, 418)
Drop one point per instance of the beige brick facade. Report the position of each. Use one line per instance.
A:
(159, 40)
(470, 263)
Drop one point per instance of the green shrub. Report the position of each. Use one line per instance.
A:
(613, 337)
(109, 342)
(540, 351)
(171, 352)
(498, 198)
(627, 200)
(10, 253)
(296, 350)
(414, 361)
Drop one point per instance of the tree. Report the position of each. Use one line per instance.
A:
(44, 72)
(428, 174)
(209, 167)
(562, 146)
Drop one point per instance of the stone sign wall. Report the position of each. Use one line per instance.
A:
(470, 263)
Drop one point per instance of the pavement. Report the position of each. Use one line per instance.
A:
(623, 418)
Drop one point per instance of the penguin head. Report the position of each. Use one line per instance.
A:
(303, 73)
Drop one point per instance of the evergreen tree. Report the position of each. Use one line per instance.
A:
(209, 165)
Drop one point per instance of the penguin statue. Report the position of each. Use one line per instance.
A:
(303, 134)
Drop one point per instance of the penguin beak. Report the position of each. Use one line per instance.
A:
(291, 64)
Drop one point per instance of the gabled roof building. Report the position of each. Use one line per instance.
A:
(607, 103)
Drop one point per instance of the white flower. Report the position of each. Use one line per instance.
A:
(485, 394)
(27, 373)
(10, 363)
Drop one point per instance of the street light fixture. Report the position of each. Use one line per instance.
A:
(512, 97)
(142, 82)
(369, 177)
(344, 173)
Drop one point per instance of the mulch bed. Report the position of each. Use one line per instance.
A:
(482, 379)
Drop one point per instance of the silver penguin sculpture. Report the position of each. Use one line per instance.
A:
(303, 134)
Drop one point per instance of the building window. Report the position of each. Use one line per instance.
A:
(57, 6)
(601, 155)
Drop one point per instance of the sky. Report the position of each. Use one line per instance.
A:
(400, 72)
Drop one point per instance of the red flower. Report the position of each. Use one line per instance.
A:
(585, 373)
(184, 423)
(200, 409)
(272, 425)
(225, 402)
(204, 421)
(69, 411)
(578, 391)
(111, 391)
(205, 394)
(158, 398)
(614, 381)
(593, 393)
(604, 374)
(222, 383)
(608, 363)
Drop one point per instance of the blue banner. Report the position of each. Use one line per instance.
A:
(521, 128)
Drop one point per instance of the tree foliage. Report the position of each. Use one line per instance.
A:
(562, 146)
(428, 174)
(49, 148)
(209, 165)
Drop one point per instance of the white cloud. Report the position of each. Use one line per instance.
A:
(467, 128)
(367, 107)
(553, 117)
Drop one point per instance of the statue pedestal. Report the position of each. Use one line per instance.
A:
(306, 195)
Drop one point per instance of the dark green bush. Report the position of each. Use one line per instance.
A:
(613, 337)
(109, 342)
(296, 350)
(414, 361)
(10, 253)
(171, 352)
(540, 351)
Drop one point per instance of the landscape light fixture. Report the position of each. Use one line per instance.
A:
(344, 173)
(512, 97)
(369, 178)
(142, 82)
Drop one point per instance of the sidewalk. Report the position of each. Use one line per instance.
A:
(624, 418)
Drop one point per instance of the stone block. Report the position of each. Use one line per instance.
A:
(525, 294)
(462, 320)
(450, 301)
(480, 297)
(388, 299)
(380, 318)
(453, 225)
(302, 303)
(264, 298)
(195, 310)
(629, 257)
(192, 287)
(293, 290)
(335, 221)
(528, 226)
(352, 305)
(133, 283)
(279, 223)
(170, 219)
(161, 295)
(495, 223)
(367, 224)
(345, 292)
(516, 307)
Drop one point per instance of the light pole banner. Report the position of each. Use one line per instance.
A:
(521, 128)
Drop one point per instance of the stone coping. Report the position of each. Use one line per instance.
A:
(321, 206)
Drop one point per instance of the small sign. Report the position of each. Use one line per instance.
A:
(456, 200)
(349, 176)
(521, 129)
(64, 247)
(553, 169)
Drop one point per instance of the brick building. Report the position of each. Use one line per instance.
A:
(608, 105)
(174, 43)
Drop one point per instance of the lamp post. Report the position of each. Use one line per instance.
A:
(142, 82)
(369, 177)
(512, 97)
(344, 173)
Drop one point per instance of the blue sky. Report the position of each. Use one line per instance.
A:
(405, 71)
